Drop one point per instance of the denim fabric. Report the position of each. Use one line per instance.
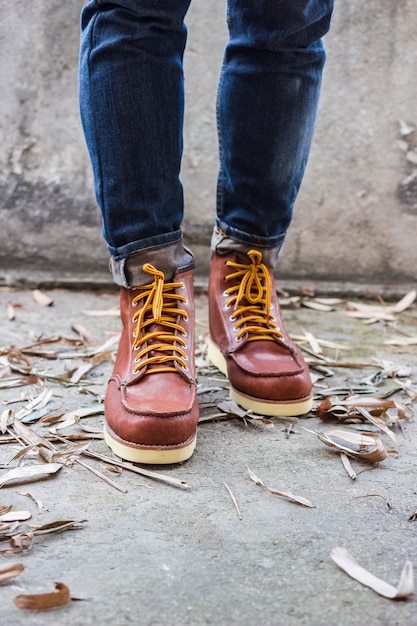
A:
(132, 103)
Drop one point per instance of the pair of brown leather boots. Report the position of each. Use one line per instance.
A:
(151, 406)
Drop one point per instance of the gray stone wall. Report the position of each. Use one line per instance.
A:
(356, 215)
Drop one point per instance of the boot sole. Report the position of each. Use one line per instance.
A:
(290, 408)
(149, 455)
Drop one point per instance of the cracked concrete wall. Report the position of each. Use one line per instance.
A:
(356, 215)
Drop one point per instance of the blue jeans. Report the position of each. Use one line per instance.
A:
(132, 103)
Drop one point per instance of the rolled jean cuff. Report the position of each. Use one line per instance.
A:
(167, 258)
(229, 239)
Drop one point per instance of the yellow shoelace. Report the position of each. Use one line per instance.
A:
(251, 299)
(159, 306)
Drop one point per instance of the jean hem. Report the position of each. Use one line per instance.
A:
(168, 258)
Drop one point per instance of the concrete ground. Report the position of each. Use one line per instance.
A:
(163, 555)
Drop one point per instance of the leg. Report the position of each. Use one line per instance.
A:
(131, 100)
(267, 106)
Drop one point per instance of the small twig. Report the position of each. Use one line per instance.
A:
(375, 495)
(174, 482)
(233, 500)
(100, 475)
(288, 430)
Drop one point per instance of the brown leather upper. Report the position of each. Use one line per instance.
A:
(272, 370)
(159, 408)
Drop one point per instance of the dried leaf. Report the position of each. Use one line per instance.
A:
(30, 436)
(32, 497)
(313, 341)
(5, 419)
(29, 472)
(39, 402)
(41, 298)
(83, 331)
(350, 565)
(317, 306)
(401, 341)
(405, 302)
(347, 465)
(379, 422)
(11, 314)
(169, 480)
(20, 543)
(282, 494)
(102, 312)
(77, 354)
(43, 601)
(69, 419)
(362, 446)
(57, 527)
(7, 572)
(15, 516)
(92, 362)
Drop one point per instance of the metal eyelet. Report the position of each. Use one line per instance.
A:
(184, 333)
(184, 368)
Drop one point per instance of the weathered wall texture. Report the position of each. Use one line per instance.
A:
(356, 216)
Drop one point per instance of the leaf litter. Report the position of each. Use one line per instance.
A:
(19, 370)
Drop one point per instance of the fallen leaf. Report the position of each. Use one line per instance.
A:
(11, 313)
(39, 402)
(102, 312)
(30, 436)
(169, 480)
(347, 465)
(29, 472)
(58, 526)
(32, 497)
(83, 331)
(317, 306)
(350, 565)
(69, 419)
(405, 302)
(7, 572)
(5, 420)
(15, 516)
(282, 494)
(362, 446)
(43, 601)
(41, 298)
(401, 341)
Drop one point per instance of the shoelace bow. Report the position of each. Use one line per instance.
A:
(159, 348)
(251, 300)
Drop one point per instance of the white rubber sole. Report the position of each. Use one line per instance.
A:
(149, 456)
(262, 407)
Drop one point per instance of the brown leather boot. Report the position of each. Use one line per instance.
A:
(151, 409)
(248, 342)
